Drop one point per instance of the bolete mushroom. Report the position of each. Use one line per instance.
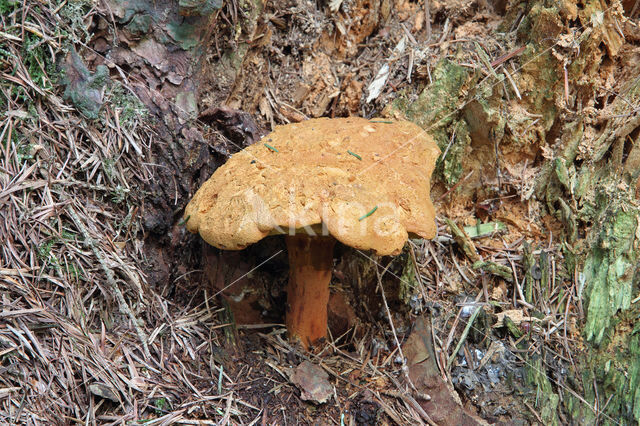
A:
(362, 182)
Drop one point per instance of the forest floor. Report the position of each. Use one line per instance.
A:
(115, 112)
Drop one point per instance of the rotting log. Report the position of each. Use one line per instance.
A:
(582, 140)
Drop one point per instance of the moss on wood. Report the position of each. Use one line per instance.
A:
(436, 110)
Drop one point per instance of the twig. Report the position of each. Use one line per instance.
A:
(635, 9)
(388, 410)
(566, 85)
(506, 57)
(414, 260)
(445, 31)
(412, 402)
(456, 185)
(534, 413)
(463, 337)
(405, 369)
(513, 83)
(446, 151)
(427, 19)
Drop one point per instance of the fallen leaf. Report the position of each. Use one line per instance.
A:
(444, 406)
(313, 381)
(103, 391)
(375, 88)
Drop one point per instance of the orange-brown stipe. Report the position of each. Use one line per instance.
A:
(310, 266)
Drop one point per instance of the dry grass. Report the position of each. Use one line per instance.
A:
(77, 318)
(84, 339)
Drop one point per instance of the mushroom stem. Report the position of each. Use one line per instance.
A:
(310, 265)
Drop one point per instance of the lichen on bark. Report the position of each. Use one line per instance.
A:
(610, 267)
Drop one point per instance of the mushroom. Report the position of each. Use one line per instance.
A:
(362, 182)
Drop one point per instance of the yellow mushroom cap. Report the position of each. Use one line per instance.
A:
(365, 182)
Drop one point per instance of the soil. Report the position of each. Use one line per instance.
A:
(217, 76)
